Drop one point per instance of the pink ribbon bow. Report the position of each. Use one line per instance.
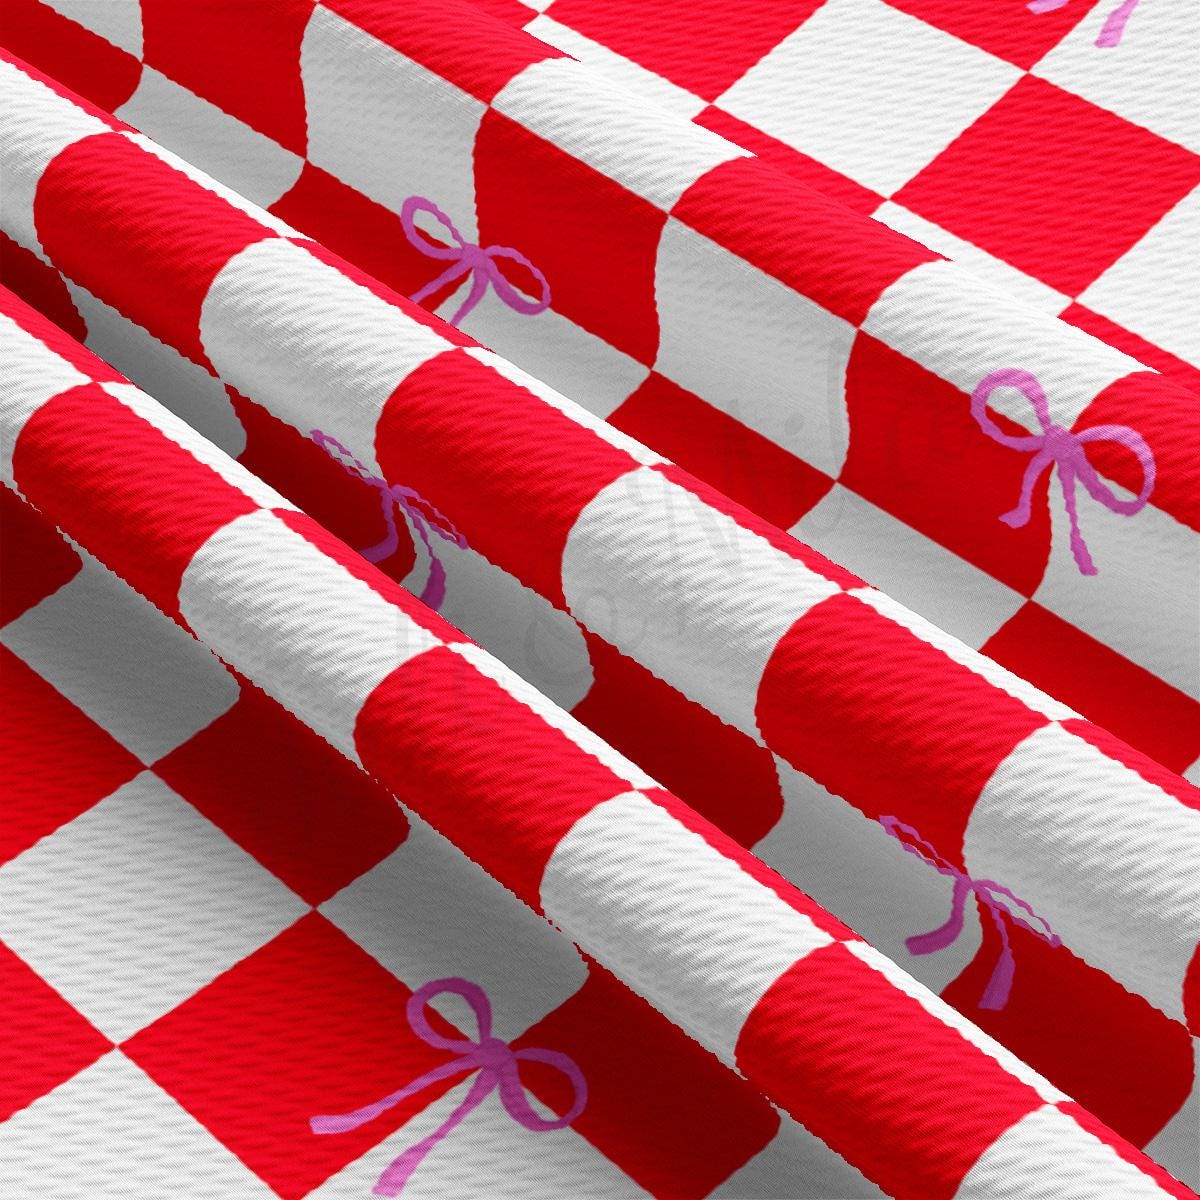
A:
(424, 516)
(1114, 26)
(467, 258)
(999, 985)
(494, 1059)
(1056, 445)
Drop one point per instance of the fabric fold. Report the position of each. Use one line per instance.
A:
(871, 712)
(750, 967)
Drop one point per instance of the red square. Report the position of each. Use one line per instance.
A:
(55, 761)
(893, 1089)
(665, 1111)
(705, 46)
(1100, 684)
(1113, 1051)
(484, 769)
(46, 1041)
(308, 815)
(725, 775)
(35, 560)
(39, 285)
(594, 240)
(743, 464)
(1005, 28)
(1052, 184)
(885, 720)
(244, 58)
(138, 233)
(79, 59)
(799, 236)
(88, 453)
(917, 453)
(309, 1025)
(510, 471)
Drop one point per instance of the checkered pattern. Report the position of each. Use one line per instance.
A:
(198, 991)
(773, 647)
(688, 195)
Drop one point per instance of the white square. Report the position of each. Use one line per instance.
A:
(135, 672)
(869, 90)
(1153, 289)
(320, 648)
(652, 153)
(111, 1133)
(209, 138)
(458, 921)
(594, 373)
(908, 566)
(310, 344)
(385, 125)
(1152, 78)
(753, 347)
(137, 904)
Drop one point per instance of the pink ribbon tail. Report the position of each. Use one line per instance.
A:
(1114, 28)
(999, 984)
(947, 934)
(398, 1171)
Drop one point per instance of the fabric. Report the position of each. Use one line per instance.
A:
(445, 484)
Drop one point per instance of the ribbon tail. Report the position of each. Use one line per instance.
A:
(1114, 28)
(999, 986)
(1083, 560)
(1020, 515)
(434, 591)
(947, 934)
(399, 1170)
(390, 543)
(453, 271)
(479, 285)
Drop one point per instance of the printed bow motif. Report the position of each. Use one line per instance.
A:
(494, 1059)
(424, 517)
(1056, 445)
(1113, 28)
(466, 258)
(999, 985)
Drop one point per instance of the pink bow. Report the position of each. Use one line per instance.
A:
(495, 1060)
(423, 515)
(999, 985)
(1056, 445)
(467, 258)
(1114, 26)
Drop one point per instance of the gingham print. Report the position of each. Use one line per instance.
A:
(686, 275)
(754, 636)
(737, 955)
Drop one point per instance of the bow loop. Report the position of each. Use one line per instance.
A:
(1064, 448)
(467, 258)
(494, 1059)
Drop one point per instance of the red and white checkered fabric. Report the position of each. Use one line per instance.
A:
(189, 976)
(770, 689)
(765, 333)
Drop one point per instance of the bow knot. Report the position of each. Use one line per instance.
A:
(467, 258)
(494, 1059)
(998, 901)
(1056, 445)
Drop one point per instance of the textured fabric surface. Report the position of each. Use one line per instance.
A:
(777, 883)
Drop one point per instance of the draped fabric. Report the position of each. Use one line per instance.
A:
(600, 599)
